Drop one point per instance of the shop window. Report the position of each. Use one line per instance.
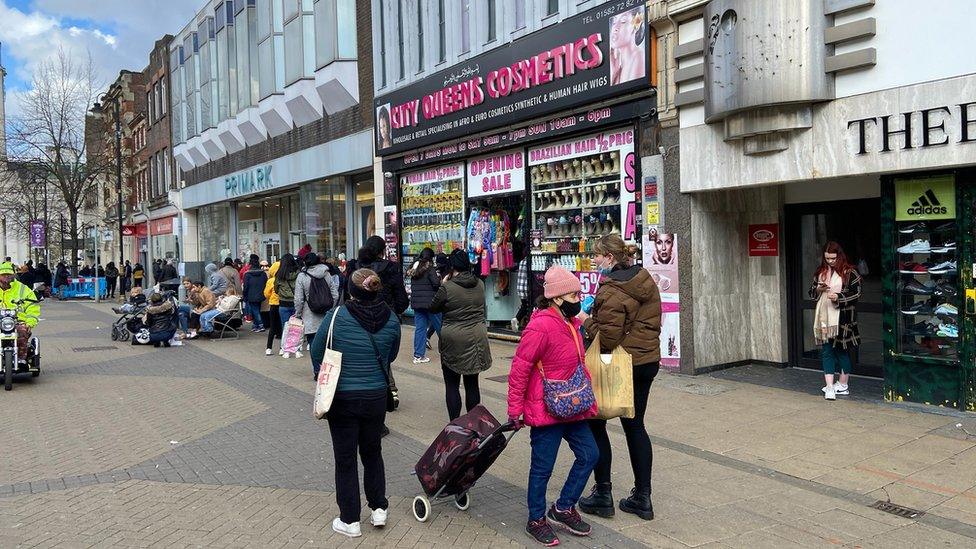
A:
(250, 229)
(213, 232)
(324, 207)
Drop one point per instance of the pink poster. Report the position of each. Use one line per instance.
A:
(660, 255)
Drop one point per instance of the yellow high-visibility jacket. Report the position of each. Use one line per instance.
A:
(29, 312)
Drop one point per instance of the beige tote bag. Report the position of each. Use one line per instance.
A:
(325, 385)
(613, 380)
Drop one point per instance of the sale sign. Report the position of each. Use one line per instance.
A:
(496, 174)
(764, 240)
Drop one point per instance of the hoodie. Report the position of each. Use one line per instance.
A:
(269, 287)
(303, 285)
(627, 313)
(215, 280)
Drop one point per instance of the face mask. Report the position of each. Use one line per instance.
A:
(570, 309)
(607, 268)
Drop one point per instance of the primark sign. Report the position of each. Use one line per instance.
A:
(249, 182)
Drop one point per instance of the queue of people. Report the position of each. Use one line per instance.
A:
(361, 306)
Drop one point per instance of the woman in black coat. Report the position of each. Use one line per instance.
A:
(423, 285)
(254, 281)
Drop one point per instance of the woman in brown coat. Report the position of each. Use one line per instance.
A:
(627, 313)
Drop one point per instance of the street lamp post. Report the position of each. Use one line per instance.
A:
(118, 173)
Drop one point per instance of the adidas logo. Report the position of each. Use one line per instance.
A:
(927, 204)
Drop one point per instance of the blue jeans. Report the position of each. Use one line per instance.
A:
(161, 337)
(833, 359)
(545, 443)
(284, 313)
(254, 309)
(207, 318)
(423, 318)
(184, 310)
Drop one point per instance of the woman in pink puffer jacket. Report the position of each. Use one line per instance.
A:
(552, 339)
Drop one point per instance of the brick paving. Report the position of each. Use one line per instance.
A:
(213, 445)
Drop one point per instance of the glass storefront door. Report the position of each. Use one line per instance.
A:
(250, 229)
(856, 226)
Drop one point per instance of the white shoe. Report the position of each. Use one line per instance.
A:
(352, 530)
(281, 352)
(421, 359)
(829, 393)
(514, 324)
(838, 389)
(267, 352)
(298, 354)
(378, 518)
(285, 355)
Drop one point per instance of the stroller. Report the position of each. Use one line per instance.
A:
(457, 458)
(129, 314)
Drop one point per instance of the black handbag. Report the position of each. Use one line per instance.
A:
(385, 366)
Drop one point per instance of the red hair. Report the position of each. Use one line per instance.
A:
(842, 266)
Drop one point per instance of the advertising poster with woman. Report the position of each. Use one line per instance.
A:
(628, 46)
(660, 254)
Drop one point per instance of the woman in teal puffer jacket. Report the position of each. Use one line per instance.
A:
(367, 333)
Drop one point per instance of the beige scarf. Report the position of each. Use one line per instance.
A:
(826, 317)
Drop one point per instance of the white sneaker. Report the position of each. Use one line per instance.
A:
(829, 393)
(841, 389)
(378, 518)
(285, 355)
(352, 530)
(281, 352)
(267, 352)
(514, 324)
(298, 354)
(915, 246)
(421, 359)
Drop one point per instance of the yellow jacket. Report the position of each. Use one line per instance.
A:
(269, 292)
(28, 312)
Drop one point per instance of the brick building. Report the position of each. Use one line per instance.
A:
(126, 100)
(157, 214)
(271, 126)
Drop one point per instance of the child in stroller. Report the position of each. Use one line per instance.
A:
(131, 310)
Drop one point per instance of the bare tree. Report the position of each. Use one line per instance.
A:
(49, 135)
(26, 200)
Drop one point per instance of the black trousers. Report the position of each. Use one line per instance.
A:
(452, 385)
(110, 285)
(638, 442)
(356, 425)
(273, 323)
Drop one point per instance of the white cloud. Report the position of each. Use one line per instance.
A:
(119, 34)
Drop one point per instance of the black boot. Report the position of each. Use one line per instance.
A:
(599, 502)
(639, 503)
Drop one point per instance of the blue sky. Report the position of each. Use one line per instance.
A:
(118, 33)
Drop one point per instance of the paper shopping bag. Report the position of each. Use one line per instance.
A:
(613, 381)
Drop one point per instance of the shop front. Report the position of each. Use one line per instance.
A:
(523, 156)
(281, 205)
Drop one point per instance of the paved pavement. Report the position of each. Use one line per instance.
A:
(213, 445)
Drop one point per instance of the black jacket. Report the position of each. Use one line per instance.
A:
(62, 276)
(423, 286)
(167, 274)
(254, 282)
(394, 291)
(161, 318)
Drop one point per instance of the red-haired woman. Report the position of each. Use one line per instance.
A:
(836, 287)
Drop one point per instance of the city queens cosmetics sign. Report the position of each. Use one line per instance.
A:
(595, 55)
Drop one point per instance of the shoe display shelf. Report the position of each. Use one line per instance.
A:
(927, 293)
